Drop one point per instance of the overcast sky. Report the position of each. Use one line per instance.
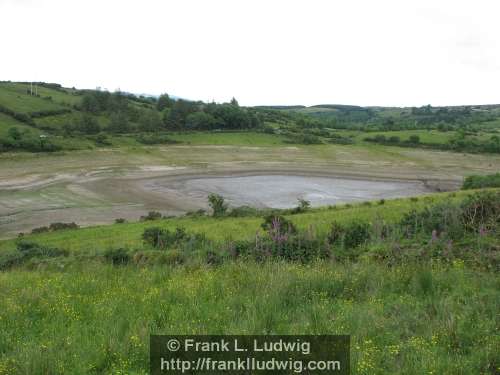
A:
(365, 52)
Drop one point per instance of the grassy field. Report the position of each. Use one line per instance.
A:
(7, 122)
(14, 97)
(96, 319)
(233, 138)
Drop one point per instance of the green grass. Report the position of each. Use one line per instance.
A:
(14, 97)
(96, 319)
(232, 138)
(80, 315)
(7, 122)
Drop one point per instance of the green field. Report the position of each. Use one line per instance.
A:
(7, 122)
(233, 138)
(95, 318)
(15, 97)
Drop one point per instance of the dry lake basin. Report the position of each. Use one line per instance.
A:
(97, 188)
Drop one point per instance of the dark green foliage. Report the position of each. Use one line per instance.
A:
(217, 204)
(87, 124)
(61, 226)
(150, 121)
(444, 217)
(119, 123)
(14, 133)
(480, 182)
(161, 238)
(152, 215)
(202, 121)
(244, 211)
(25, 251)
(303, 206)
(349, 235)
(414, 139)
(481, 211)
(119, 256)
(102, 139)
(164, 102)
(55, 227)
(155, 139)
(120, 221)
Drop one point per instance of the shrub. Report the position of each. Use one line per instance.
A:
(160, 238)
(479, 182)
(443, 217)
(117, 256)
(303, 206)
(278, 224)
(481, 210)
(217, 204)
(350, 235)
(40, 230)
(61, 226)
(151, 216)
(244, 211)
(197, 213)
(120, 221)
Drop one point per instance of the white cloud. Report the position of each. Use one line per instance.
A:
(261, 51)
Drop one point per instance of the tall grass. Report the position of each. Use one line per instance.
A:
(97, 318)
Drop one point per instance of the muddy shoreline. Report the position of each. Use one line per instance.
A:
(102, 195)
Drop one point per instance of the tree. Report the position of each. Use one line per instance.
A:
(90, 103)
(150, 121)
(179, 112)
(217, 204)
(163, 102)
(87, 124)
(119, 123)
(234, 102)
(201, 121)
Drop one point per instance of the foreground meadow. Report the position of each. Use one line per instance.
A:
(96, 319)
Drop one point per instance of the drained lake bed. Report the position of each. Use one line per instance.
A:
(283, 191)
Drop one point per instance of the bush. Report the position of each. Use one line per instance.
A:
(481, 211)
(151, 216)
(155, 139)
(303, 206)
(40, 230)
(61, 226)
(444, 217)
(160, 238)
(479, 182)
(117, 256)
(349, 236)
(278, 224)
(120, 221)
(26, 250)
(217, 204)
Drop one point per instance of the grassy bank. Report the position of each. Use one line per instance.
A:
(98, 238)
